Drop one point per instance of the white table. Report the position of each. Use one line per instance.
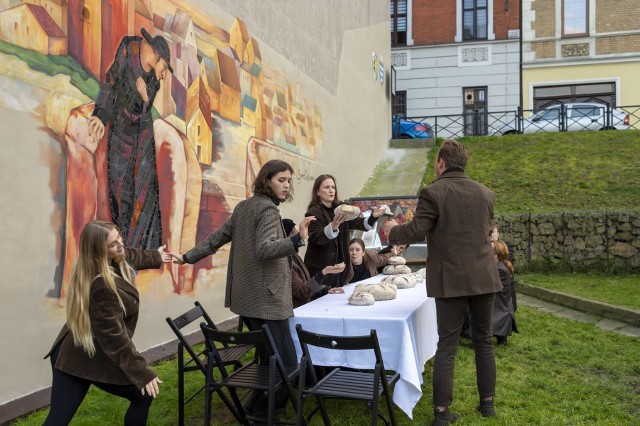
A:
(406, 328)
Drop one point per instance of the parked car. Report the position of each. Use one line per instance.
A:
(409, 129)
(570, 117)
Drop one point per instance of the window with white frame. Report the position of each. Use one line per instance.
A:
(474, 19)
(398, 22)
(575, 17)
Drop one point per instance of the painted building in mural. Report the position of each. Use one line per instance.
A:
(468, 64)
(239, 95)
(580, 51)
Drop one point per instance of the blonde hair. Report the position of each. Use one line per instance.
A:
(92, 262)
(501, 251)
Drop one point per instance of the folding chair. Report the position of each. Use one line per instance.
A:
(340, 382)
(196, 361)
(269, 376)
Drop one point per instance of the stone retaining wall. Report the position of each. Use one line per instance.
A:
(574, 240)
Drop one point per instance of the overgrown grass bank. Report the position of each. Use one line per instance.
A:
(551, 172)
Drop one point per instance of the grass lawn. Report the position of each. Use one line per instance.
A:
(553, 172)
(556, 371)
(623, 290)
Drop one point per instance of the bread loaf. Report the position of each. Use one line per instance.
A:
(381, 291)
(396, 269)
(422, 272)
(361, 298)
(351, 212)
(396, 260)
(402, 281)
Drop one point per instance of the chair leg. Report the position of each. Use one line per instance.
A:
(323, 410)
(207, 406)
(180, 386)
(392, 417)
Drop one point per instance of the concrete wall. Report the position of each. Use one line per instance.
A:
(580, 240)
(319, 51)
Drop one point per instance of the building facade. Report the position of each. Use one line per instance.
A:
(580, 51)
(459, 58)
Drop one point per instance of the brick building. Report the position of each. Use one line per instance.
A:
(580, 50)
(456, 57)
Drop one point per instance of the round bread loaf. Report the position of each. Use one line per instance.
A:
(396, 260)
(417, 277)
(422, 272)
(381, 291)
(396, 269)
(361, 298)
(404, 281)
(351, 212)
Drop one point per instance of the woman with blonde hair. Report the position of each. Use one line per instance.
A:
(95, 346)
(504, 318)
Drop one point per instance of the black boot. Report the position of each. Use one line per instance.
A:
(501, 340)
(442, 418)
(486, 408)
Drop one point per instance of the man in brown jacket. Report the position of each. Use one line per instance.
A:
(455, 214)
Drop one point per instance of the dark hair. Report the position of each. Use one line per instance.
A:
(315, 198)
(358, 241)
(453, 153)
(268, 171)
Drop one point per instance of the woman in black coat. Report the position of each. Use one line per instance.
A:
(504, 319)
(329, 234)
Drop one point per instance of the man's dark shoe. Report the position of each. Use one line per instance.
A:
(501, 340)
(445, 417)
(486, 408)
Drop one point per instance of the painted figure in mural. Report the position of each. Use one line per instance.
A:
(124, 103)
(95, 346)
(259, 271)
(329, 234)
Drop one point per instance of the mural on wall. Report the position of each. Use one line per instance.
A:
(164, 113)
(402, 209)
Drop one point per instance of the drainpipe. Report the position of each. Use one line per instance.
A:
(521, 35)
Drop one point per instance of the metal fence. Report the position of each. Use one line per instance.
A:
(561, 118)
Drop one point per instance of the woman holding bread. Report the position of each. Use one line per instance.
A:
(329, 234)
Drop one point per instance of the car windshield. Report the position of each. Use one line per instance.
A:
(547, 115)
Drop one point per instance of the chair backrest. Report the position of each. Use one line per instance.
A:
(180, 322)
(258, 338)
(343, 343)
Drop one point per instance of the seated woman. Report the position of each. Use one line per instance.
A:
(364, 264)
(504, 319)
(329, 233)
(304, 287)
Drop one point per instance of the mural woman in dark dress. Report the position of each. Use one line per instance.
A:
(124, 103)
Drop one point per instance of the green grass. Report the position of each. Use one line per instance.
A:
(554, 172)
(622, 290)
(556, 371)
(53, 65)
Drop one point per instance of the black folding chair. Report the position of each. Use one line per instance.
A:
(269, 376)
(197, 361)
(340, 382)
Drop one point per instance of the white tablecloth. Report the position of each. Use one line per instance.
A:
(406, 328)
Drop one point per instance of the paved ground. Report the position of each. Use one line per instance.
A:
(604, 323)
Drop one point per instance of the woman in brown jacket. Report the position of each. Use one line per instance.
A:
(364, 264)
(95, 346)
(329, 233)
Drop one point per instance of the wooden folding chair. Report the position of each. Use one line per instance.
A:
(268, 376)
(340, 382)
(197, 360)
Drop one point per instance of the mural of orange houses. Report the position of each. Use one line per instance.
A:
(198, 121)
(212, 80)
(31, 27)
(230, 87)
(238, 37)
(57, 9)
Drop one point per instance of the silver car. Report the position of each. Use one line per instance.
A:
(576, 117)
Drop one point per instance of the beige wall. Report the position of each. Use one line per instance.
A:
(624, 74)
(324, 53)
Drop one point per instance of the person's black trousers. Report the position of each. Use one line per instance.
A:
(451, 314)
